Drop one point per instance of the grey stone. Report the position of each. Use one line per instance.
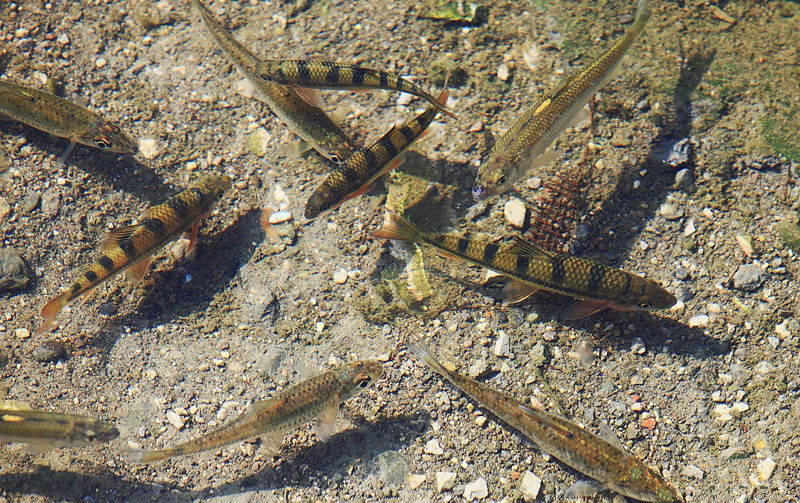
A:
(31, 201)
(49, 351)
(51, 202)
(392, 468)
(748, 278)
(14, 274)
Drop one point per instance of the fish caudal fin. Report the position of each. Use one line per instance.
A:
(397, 227)
(146, 456)
(423, 352)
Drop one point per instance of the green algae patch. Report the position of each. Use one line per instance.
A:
(789, 233)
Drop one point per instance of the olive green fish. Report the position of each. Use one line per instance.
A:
(598, 286)
(50, 430)
(587, 453)
(132, 247)
(309, 122)
(59, 117)
(526, 141)
(357, 173)
(318, 397)
(329, 75)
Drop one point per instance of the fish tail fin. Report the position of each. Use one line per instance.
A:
(397, 227)
(147, 456)
(51, 310)
(423, 352)
(643, 11)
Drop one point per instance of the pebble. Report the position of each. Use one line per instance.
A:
(670, 211)
(529, 486)
(340, 276)
(764, 469)
(748, 277)
(698, 320)
(175, 420)
(63, 39)
(445, 481)
(31, 201)
(693, 471)
(433, 448)
(690, 228)
(257, 141)
(14, 273)
(22, 333)
(148, 147)
(621, 139)
(51, 201)
(278, 217)
(415, 480)
(637, 346)
(514, 211)
(100, 62)
(534, 183)
(49, 351)
(476, 490)
(503, 72)
(502, 344)
(5, 208)
(476, 127)
(477, 368)
(683, 179)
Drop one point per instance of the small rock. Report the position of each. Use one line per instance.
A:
(175, 420)
(693, 471)
(534, 183)
(690, 228)
(476, 490)
(14, 274)
(763, 367)
(670, 211)
(481, 420)
(529, 486)
(649, 423)
(502, 344)
(683, 179)
(100, 62)
(722, 412)
(476, 127)
(638, 347)
(764, 469)
(278, 217)
(148, 147)
(698, 320)
(503, 72)
(63, 39)
(257, 141)
(31, 201)
(340, 276)
(414, 480)
(515, 211)
(745, 243)
(49, 351)
(433, 448)
(22, 333)
(782, 329)
(5, 208)
(445, 481)
(51, 201)
(748, 277)
(621, 139)
(477, 368)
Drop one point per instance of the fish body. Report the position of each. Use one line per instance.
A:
(52, 429)
(357, 173)
(133, 245)
(598, 286)
(59, 117)
(318, 397)
(531, 135)
(309, 122)
(572, 445)
(330, 75)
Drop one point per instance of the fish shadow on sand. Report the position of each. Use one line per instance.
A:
(62, 485)
(219, 257)
(328, 461)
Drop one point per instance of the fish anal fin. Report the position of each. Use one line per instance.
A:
(116, 236)
(521, 246)
(310, 96)
(326, 423)
(272, 440)
(582, 308)
(136, 272)
(515, 291)
(40, 446)
(445, 254)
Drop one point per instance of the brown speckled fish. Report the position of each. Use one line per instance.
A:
(598, 286)
(357, 173)
(318, 397)
(132, 247)
(530, 136)
(330, 75)
(574, 446)
(59, 117)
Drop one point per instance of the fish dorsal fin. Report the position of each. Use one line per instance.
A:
(521, 246)
(117, 236)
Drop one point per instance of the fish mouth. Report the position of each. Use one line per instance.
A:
(479, 193)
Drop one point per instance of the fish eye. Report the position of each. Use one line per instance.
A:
(101, 142)
(645, 305)
(501, 180)
(335, 158)
(363, 382)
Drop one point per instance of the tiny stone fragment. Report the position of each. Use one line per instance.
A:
(148, 147)
(415, 480)
(175, 420)
(340, 276)
(764, 469)
(698, 320)
(693, 471)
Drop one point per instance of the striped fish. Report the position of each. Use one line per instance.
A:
(59, 117)
(597, 286)
(580, 449)
(329, 75)
(49, 430)
(309, 122)
(357, 173)
(131, 248)
(526, 142)
(318, 397)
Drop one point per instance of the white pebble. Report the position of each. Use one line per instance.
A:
(713, 308)
(503, 72)
(445, 481)
(698, 320)
(514, 211)
(530, 486)
(783, 330)
(476, 490)
(764, 367)
(100, 62)
(690, 228)
(415, 480)
(723, 412)
(693, 471)
(280, 217)
(502, 344)
(22, 333)
(765, 468)
(340, 277)
(433, 448)
(63, 39)
(148, 147)
(175, 420)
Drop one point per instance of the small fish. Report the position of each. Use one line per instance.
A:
(329, 75)
(318, 397)
(598, 286)
(526, 142)
(309, 122)
(587, 453)
(357, 173)
(59, 117)
(132, 247)
(50, 430)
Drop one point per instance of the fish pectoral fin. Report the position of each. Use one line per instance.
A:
(137, 271)
(326, 423)
(190, 250)
(515, 292)
(549, 156)
(583, 115)
(606, 433)
(117, 236)
(63, 158)
(272, 440)
(40, 446)
(310, 96)
(362, 190)
(522, 246)
(582, 308)
(583, 489)
(393, 164)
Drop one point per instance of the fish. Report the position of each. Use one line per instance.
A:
(309, 122)
(330, 75)
(574, 446)
(45, 430)
(317, 397)
(60, 117)
(526, 142)
(357, 173)
(130, 248)
(595, 285)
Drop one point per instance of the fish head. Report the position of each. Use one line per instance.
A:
(93, 431)
(358, 376)
(647, 294)
(495, 176)
(320, 201)
(109, 137)
(216, 185)
(646, 484)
